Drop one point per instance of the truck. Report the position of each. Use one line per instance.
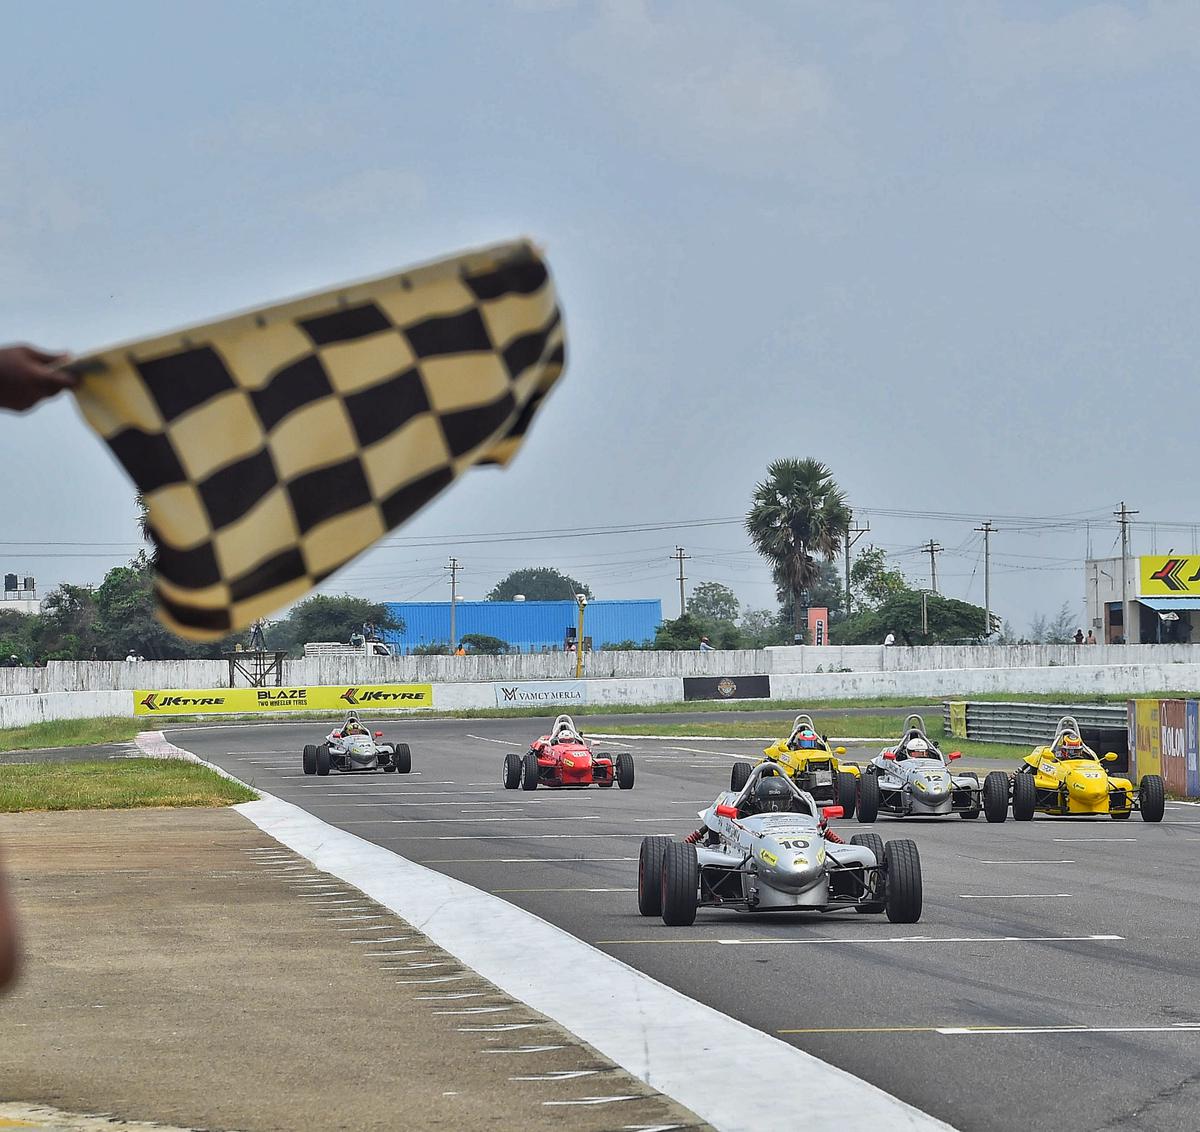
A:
(336, 648)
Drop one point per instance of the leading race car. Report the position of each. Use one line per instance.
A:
(1067, 777)
(807, 759)
(565, 758)
(768, 848)
(913, 778)
(353, 748)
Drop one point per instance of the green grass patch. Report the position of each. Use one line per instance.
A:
(71, 733)
(115, 784)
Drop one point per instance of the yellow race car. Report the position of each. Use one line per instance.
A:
(806, 758)
(1067, 777)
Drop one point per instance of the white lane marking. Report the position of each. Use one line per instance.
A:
(468, 821)
(477, 1010)
(668, 817)
(843, 941)
(452, 995)
(1068, 839)
(347, 919)
(379, 938)
(1011, 862)
(329, 901)
(409, 793)
(501, 742)
(500, 1026)
(589, 1101)
(1017, 896)
(436, 979)
(558, 1075)
(500, 836)
(525, 1049)
(964, 1031)
(499, 891)
(522, 860)
(384, 954)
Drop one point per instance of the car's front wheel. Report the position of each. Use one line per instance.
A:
(995, 796)
(511, 776)
(868, 798)
(650, 867)
(847, 792)
(624, 770)
(1153, 798)
(1024, 796)
(310, 758)
(680, 884)
(739, 775)
(529, 772)
(402, 759)
(903, 881)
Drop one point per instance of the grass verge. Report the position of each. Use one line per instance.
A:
(71, 733)
(122, 784)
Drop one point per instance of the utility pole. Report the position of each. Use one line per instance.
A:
(681, 558)
(1122, 517)
(853, 533)
(933, 548)
(987, 530)
(454, 568)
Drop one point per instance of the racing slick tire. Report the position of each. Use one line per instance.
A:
(873, 842)
(1153, 798)
(680, 884)
(402, 759)
(623, 770)
(995, 796)
(847, 793)
(903, 881)
(512, 771)
(310, 758)
(739, 775)
(650, 869)
(1024, 797)
(529, 772)
(323, 759)
(868, 798)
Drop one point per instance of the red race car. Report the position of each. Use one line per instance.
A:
(565, 758)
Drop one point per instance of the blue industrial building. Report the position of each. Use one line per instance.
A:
(527, 626)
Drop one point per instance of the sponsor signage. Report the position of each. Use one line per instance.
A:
(1147, 738)
(223, 701)
(552, 693)
(958, 719)
(1169, 575)
(1173, 721)
(726, 687)
(1192, 748)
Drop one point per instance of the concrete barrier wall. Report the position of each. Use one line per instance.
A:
(21, 711)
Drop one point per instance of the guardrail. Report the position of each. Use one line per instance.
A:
(1002, 722)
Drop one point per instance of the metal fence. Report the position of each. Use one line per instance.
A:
(998, 722)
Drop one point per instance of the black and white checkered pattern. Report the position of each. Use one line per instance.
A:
(275, 446)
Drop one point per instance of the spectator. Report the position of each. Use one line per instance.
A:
(356, 639)
(460, 651)
(258, 642)
(1079, 636)
(890, 639)
(131, 658)
(705, 646)
(1091, 638)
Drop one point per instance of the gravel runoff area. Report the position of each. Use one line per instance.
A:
(181, 967)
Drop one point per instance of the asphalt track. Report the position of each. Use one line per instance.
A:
(1052, 983)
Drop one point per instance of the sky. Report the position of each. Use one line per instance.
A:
(949, 249)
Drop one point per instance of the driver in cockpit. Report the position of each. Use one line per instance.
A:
(352, 726)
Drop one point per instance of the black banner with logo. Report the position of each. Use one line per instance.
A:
(727, 687)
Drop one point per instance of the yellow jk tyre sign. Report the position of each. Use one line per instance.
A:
(280, 701)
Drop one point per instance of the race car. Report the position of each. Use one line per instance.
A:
(913, 778)
(767, 848)
(352, 748)
(565, 758)
(1068, 777)
(806, 758)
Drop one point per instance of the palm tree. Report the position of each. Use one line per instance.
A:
(799, 514)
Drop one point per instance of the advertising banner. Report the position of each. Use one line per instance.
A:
(551, 693)
(1147, 735)
(958, 719)
(1173, 723)
(726, 687)
(1169, 575)
(1192, 746)
(235, 701)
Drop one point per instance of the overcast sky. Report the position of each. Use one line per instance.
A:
(949, 249)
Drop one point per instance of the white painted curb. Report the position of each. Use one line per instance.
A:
(700, 1057)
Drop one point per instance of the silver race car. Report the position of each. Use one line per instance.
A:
(913, 777)
(353, 747)
(767, 848)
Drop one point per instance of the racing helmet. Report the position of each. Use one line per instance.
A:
(918, 749)
(805, 741)
(772, 794)
(1070, 747)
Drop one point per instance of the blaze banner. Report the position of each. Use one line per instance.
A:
(363, 698)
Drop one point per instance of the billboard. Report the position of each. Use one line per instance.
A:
(280, 701)
(1173, 725)
(551, 693)
(1169, 575)
(1192, 747)
(1147, 738)
(726, 687)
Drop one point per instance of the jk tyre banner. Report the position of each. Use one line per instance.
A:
(280, 701)
(726, 687)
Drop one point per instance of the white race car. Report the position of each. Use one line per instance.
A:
(352, 748)
(766, 848)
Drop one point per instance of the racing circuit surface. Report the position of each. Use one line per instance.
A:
(1052, 983)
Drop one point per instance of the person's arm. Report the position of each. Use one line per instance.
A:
(28, 375)
(8, 937)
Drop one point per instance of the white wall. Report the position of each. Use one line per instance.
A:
(20, 711)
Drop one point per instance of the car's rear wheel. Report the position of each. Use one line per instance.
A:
(512, 770)
(680, 884)
(868, 798)
(529, 772)
(739, 775)
(650, 868)
(903, 881)
(310, 758)
(995, 796)
(1024, 797)
(873, 842)
(847, 792)
(1153, 798)
(402, 759)
(624, 770)
(323, 759)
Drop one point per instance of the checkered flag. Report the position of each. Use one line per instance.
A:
(274, 446)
